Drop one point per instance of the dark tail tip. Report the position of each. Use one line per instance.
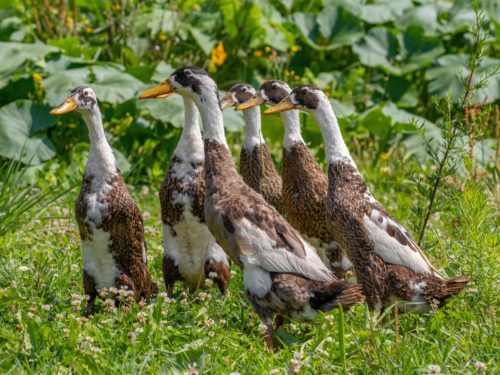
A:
(456, 284)
(336, 294)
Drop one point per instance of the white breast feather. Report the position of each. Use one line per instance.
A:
(98, 261)
(274, 259)
(391, 250)
(256, 280)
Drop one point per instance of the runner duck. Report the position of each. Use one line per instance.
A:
(256, 164)
(305, 186)
(388, 262)
(191, 253)
(282, 273)
(110, 223)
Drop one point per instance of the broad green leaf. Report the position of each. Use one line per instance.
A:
(19, 120)
(170, 110)
(417, 49)
(14, 55)
(377, 122)
(443, 78)
(342, 110)
(110, 85)
(205, 41)
(332, 28)
(162, 71)
(378, 48)
(378, 11)
(425, 16)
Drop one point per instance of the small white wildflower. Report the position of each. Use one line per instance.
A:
(95, 350)
(75, 267)
(232, 273)
(262, 328)
(209, 283)
(192, 370)
(30, 314)
(294, 366)
(480, 367)
(109, 305)
(433, 369)
(142, 317)
(209, 322)
(274, 371)
(139, 330)
(234, 373)
(23, 268)
(66, 331)
(202, 296)
(212, 275)
(46, 307)
(13, 284)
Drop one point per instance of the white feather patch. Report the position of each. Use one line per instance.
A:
(390, 249)
(271, 258)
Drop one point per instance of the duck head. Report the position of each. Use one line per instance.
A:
(81, 99)
(306, 98)
(269, 93)
(238, 94)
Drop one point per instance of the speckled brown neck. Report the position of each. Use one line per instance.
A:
(305, 188)
(258, 171)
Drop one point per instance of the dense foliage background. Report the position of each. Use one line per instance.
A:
(416, 87)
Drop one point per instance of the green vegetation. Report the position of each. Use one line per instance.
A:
(416, 87)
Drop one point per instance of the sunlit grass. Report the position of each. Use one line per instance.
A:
(41, 330)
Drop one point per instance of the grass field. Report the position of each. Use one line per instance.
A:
(42, 329)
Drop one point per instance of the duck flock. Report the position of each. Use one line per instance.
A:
(296, 237)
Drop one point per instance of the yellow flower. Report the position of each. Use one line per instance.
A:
(116, 7)
(37, 77)
(218, 54)
(267, 49)
(294, 49)
(162, 37)
(89, 29)
(69, 22)
(258, 53)
(86, 22)
(297, 78)
(197, 7)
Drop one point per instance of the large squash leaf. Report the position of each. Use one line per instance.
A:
(333, 27)
(19, 123)
(110, 84)
(14, 55)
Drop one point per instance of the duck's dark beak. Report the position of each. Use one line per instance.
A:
(68, 106)
(163, 90)
(282, 106)
(254, 101)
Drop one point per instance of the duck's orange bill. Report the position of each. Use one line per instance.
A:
(280, 107)
(161, 91)
(68, 106)
(227, 102)
(252, 102)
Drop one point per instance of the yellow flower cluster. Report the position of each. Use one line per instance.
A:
(219, 55)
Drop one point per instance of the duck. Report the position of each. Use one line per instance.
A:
(191, 253)
(256, 164)
(110, 223)
(389, 264)
(282, 273)
(305, 186)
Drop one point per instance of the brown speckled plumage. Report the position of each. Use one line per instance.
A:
(231, 205)
(305, 189)
(123, 221)
(258, 171)
(349, 204)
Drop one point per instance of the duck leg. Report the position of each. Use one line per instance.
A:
(269, 337)
(278, 322)
(170, 274)
(90, 290)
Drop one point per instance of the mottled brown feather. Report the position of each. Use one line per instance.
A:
(259, 172)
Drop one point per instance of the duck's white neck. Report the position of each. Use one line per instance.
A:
(292, 128)
(335, 147)
(211, 116)
(101, 158)
(253, 133)
(190, 146)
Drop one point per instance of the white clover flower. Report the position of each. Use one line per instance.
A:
(232, 273)
(480, 367)
(23, 268)
(46, 307)
(209, 283)
(30, 314)
(109, 305)
(262, 328)
(274, 371)
(433, 369)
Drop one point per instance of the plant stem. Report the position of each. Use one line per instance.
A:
(342, 341)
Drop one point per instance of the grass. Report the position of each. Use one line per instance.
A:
(42, 329)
